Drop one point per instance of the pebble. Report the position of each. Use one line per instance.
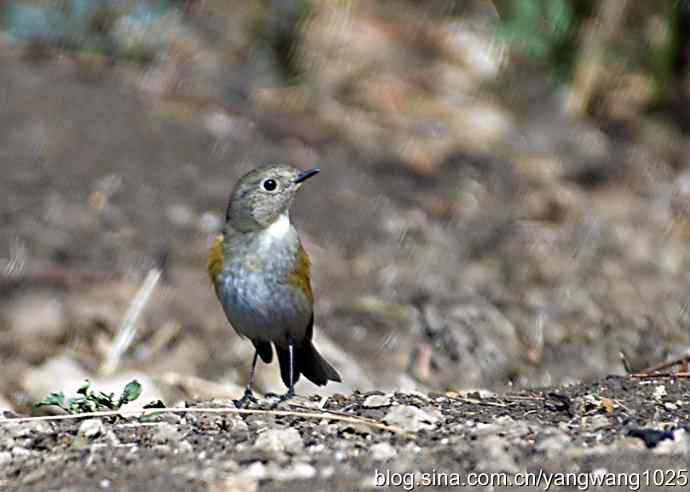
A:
(21, 453)
(27, 429)
(165, 432)
(659, 392)
(91, 428)
(410, 418)
(162, 449)
(235, 483)
(382, 451)
(279, 440)
(185, 447)
(111, 439)
(377, 401)
(5, 457)
(256, 470)
(299, 471)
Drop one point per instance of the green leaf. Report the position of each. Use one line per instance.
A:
(103, 400)
(131, 392)
(54, 399)
(81, 405)
(84, 388)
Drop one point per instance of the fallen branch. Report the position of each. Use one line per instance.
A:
(474, 401)
(653, 375)
(655, 370)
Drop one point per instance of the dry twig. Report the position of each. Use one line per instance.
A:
(234, 411)
(128, 327)
(655, 370)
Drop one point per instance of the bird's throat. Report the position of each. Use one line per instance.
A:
(280, 228)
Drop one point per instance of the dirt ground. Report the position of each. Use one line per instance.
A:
(468, 235)
(615, 429)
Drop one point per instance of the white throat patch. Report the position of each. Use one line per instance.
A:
(280, 227)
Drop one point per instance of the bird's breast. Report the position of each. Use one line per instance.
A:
(264, 285)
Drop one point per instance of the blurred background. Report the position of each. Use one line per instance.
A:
(504, 197)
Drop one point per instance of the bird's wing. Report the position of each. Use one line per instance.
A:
(215, 260)
(300, 276)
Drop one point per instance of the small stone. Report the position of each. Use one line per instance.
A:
(377, 401)
(162, 449)
(185, 447)
(599, 422)
(27, 429)
(34, 475)
(171, 418)
(111, 438)
(164, 432)
(670, 406)
(16, 430)
(659, 392)
(5, 457)
(300, 471)
(91, 428)
(239, 430)
(382, 451)
(20, 453)
(256, 470)
(316, 449)
(280, 440)
(236, 483)
(410, 418)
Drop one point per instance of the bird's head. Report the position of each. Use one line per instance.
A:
(263, 195)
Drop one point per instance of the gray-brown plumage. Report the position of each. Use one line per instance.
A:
(261, 274)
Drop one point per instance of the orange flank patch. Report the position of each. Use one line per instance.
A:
(300, 276)
(215, 259)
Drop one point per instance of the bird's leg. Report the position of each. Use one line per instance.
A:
(248, 395)
(291, 358)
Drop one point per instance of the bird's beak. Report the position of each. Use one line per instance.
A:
(305, 175)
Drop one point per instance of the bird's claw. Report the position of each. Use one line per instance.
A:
(281, 398)
(246, 399)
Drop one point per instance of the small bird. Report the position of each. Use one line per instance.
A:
(260, 273)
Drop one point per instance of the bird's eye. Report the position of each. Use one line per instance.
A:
(269, 184)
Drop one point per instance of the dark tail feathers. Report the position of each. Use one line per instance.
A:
(308, 362)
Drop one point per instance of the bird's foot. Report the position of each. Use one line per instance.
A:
(281, 398)
(246, 399)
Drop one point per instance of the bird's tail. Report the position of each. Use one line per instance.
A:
(308, 362)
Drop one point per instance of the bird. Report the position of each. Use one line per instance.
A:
(261, 275)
